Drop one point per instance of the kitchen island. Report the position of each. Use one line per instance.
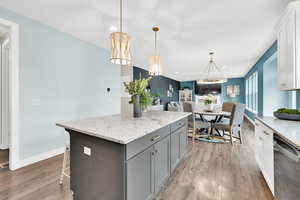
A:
(124, 158)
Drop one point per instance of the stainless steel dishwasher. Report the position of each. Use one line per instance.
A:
(286, 170)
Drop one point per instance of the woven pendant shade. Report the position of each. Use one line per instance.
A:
(155, 68)
(120, 48)
(120, 44)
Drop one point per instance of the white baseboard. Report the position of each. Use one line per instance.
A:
(250, 120)
(40, 157)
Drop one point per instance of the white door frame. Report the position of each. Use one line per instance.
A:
(13, 94)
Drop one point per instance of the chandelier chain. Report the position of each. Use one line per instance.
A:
(155, 43)
(121, 15)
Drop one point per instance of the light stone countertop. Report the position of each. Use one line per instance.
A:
(289, 130)
(124, 129)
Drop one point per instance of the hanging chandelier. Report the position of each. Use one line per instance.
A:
(120, 44)
(155, 68)
(213, 73)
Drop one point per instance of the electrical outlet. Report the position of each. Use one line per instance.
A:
(87, 151)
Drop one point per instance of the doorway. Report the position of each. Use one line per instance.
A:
(9, 94)
(4, 95)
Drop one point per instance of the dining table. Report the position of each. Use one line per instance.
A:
(215, 116)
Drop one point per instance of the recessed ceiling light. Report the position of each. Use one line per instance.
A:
(113, 28)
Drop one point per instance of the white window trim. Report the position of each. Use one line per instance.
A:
(252, 93)
(294, 100)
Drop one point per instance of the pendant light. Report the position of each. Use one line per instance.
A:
(120, 44)
(213, 73)
(155, 68)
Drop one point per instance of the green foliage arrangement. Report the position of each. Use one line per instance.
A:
(209, 99)
(157, 95)
(288, 111)
(138, 88)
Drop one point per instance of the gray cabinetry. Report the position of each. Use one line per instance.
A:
(148, 171)
(133, 171)
(178, 146)
(183, 141)
(162, 162)
(140, 176)
(175, 149)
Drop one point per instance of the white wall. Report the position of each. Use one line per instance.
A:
(61, 78)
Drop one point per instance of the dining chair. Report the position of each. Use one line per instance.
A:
(193, 123)
(235, 122)
(228, 107)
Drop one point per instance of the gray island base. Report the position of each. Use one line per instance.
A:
(125, 158)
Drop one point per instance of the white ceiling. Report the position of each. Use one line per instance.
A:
(238, 31)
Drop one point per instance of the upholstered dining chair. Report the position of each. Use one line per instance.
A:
(193, 124)
(233, 126)
(228, 107)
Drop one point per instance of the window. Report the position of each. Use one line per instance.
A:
(252, 93)
(293, 99)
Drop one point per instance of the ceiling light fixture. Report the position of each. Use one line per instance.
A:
(213, 73)
(113, 28)
(155, 68)
(120, 44)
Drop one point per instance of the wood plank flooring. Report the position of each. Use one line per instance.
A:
(208, 172)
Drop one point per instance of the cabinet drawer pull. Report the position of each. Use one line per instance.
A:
(155, 138)
(266, 133)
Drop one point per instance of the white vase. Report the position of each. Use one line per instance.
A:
(209, 107)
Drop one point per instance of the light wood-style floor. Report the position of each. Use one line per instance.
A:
(219, 172)
(208, 172)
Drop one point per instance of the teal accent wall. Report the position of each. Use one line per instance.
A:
(68, 76)
(231, 81)
(159, 84)
(259, 68)
(190, 85)
(234, 81)
(273, 98)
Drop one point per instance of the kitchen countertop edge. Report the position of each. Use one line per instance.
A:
(112, 139)
(281, 131)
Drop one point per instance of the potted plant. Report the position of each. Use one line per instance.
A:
(156, 99)
(209, 102)
(287, 114)
(140, 97)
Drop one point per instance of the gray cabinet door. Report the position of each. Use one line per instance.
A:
(140, 176)
(183, 141)
(162, 162)
(175, 149)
